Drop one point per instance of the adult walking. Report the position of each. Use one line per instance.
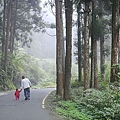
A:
(26, 84)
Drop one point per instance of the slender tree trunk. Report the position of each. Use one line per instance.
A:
(118, 30)
(119, 42)
(92, 46)
(102, 56)
(1, 29)
(79, 45)
(68, 58)
(14, 27)
(11, 36)
(59, 59)
(92, 64)
(95, 65)
(4, 18)
(86, 45)
(4, 35)
(115, 40)
(3, 43)
(7, 34)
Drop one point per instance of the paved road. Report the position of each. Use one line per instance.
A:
(10, 109)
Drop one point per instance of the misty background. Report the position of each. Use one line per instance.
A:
(43, 45)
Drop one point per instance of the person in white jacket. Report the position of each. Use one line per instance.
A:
(26, 84)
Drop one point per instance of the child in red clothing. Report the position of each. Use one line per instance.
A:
(17, 94)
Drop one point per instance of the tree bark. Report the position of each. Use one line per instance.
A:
(115, 40)
(92, 46)
(3, 38)
(59, 44)
(4, 18)
(86, 45)
(13, 26)
(7, 35)
(95, 65)
(68, 58)
(79, 44)
(102, 56)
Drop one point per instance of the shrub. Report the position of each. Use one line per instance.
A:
(76, 83)
(69, 110)
(100, 105)
(92, 105)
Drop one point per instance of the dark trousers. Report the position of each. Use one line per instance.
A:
(27, 93)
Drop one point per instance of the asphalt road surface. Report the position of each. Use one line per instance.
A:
(11, 109)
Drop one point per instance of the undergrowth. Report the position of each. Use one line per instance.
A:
(91, 105)
(69, 110)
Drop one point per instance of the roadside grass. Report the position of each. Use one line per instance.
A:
(51, 103)
(86, 105)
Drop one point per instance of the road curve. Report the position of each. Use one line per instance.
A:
(11, 109)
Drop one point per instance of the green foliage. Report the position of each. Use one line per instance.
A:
(100, 105)
(5, 81)
(76, 83)
(38, 71)
(103, 85)
(10, 84)
(69, 110)
(92, 104)
(28, 19)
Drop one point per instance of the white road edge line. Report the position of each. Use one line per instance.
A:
(43, 101)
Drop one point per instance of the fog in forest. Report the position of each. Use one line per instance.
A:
(43, 45)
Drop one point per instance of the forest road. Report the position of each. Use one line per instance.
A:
(11, 109)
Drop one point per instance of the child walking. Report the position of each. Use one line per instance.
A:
(17, 94)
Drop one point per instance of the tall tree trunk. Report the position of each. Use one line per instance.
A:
(95, 65)
(13, 27)
(115, 40)
(68, 58)
(7, 34)
(59, 59)
(4, 35)
(86, 45)
(3, 43)
(1, 29)
(79, 44)
(92, 46)
(102, 56)
(4, 18)
(92, 63)
(119, 42)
